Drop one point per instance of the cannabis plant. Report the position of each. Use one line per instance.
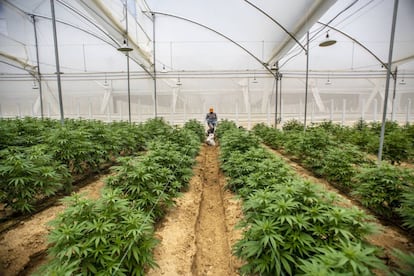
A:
(351, 258)
(381, 188)
(100, 237)
(293, 125)
(405, 262)
(406, 210)
(29, 174)
(196, 127)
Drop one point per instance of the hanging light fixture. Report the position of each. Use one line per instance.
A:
(327, 42)
(34, 85)
(402, 81)
(106, 84)
(254, 78)
(328, 81)
(179, 83)
(125, 48)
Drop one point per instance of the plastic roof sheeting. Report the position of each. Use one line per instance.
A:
(217, 50)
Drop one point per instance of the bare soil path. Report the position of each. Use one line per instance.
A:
(198, 234)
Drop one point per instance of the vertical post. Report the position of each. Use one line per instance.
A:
(331, 111)
(237, 112)
(52, 7)
(19, 111)
(90, 110)
(268, 113)
(276, 95)
(155, 72)
(343, 111)
(408, 110)
(387, 84)
(280, 98)
(306, 80)
(281, 111)
(393, 95)
(363, 110)
(39, 77)
(129, 90)
(312, 111)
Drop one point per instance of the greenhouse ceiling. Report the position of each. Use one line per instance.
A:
(212, 47)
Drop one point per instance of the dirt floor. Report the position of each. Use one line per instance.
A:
(27, 241)
(197, 235)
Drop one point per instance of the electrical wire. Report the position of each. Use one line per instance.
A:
(359, 10)
(77, 12)
(336, 16)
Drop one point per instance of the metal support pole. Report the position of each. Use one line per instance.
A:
(129, 91)
(280, 97)
(155, 72)
(276, 95)
(39, 77)
(52, 7)
(387, 84)
(306, 81)
(127, 56)
(393, 94)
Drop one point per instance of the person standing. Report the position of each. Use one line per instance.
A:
(211, 119)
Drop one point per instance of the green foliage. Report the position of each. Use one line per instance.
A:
(406, 210)
(156, 127)
(293, 125)
(286, 220)
(381, 188)
(292, 223)
(153, 180)
(100, 237)
(197, 127)
(27, 174)
(71, 147)
(270, 136)
(237, 140)
(405, 262)
(224, 126)
(351, 258)
(113, 235)
(397, 146)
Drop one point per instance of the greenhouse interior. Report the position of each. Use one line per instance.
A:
(207, 138)
(188, 56)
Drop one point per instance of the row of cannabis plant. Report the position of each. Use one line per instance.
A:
(40, 157)
(291, 227)
(386, 189)
(398, 140)
(114, 235)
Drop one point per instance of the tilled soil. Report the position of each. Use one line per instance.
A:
(27, 241)
(197, 235)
